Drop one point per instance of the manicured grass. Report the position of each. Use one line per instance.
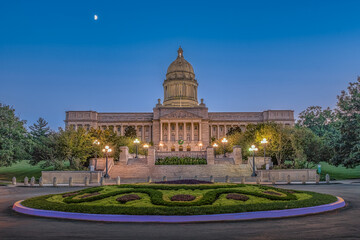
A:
(339, 173)
(21, 170)
(156, 199)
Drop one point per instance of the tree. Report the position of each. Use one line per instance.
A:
(279, 140)
(44, 145)
(47, 152)
(14, 141)
(307, 147)
(130, 131)
(318, 120)
(75, 146)
(40, 128)
(347, 148)
(233, 130)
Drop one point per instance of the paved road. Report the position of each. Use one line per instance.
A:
(340, 224)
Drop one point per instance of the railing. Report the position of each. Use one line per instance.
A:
(197, 154)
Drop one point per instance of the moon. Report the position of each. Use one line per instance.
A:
(95, 17)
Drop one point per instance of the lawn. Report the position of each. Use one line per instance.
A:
(21, 170)
(165, 199)
(339, 173)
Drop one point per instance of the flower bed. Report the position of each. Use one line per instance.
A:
(156, 199)
(128, 198)
(180, 161)
(183, 198)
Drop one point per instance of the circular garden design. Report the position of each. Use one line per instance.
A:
(178, 199)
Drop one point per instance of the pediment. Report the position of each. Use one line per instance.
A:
(180, 114)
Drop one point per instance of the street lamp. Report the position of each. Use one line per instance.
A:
(264, 141)
(215, 146)
(253, 149)
(136, 141)
(146, 146)
(224, 141)
(107, 150)
(96, 143)
(200, 145)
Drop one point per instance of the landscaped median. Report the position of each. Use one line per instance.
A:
(178, 203)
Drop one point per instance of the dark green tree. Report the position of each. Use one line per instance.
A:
(43, 146)
(307, 147)
(318, 120)
(14, 140)
(130, 131)
(40, 129)
(347, 147)
(233, 130)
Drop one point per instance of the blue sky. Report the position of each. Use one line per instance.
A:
(247, 55)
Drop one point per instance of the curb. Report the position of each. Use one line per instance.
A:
(340, 203)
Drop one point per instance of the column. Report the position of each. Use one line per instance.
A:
(161, 133)
(218, 131)
(143, 132)
(169, 137)
(211, 132)
(200, 131)
(185, 134)
(177, 131)
(225, 128)
(192, 131)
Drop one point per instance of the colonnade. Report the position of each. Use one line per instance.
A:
(219, 130)
(189, 131)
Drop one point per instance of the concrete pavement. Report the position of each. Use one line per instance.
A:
(340, 224)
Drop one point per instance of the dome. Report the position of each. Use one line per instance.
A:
(180, 85)
(180, 65)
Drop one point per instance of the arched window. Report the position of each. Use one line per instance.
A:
(180, 148)
(173, 148)
(188, 148)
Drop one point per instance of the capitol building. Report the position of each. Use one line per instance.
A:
(180, 122)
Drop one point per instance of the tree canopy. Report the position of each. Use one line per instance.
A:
(14, 141)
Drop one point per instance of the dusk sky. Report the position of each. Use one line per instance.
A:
(247, 55)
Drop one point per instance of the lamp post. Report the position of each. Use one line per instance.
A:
(264, 141)
(136, 141)
(253, 149)
(224, 141)
(107, 150)
(215, 146)
(161, 146)
(96, 143)
(200, 145)
(146, 146)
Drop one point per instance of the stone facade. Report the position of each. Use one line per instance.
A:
(179, 117)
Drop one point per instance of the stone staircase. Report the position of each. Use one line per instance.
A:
(139, 170)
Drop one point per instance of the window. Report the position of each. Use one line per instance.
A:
(180, 148)
(188, 148)
(173, 148)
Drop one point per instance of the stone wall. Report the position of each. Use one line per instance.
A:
(78, 177)
(282, 174)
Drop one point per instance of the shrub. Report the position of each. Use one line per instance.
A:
(162, 207)
(185, 181)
